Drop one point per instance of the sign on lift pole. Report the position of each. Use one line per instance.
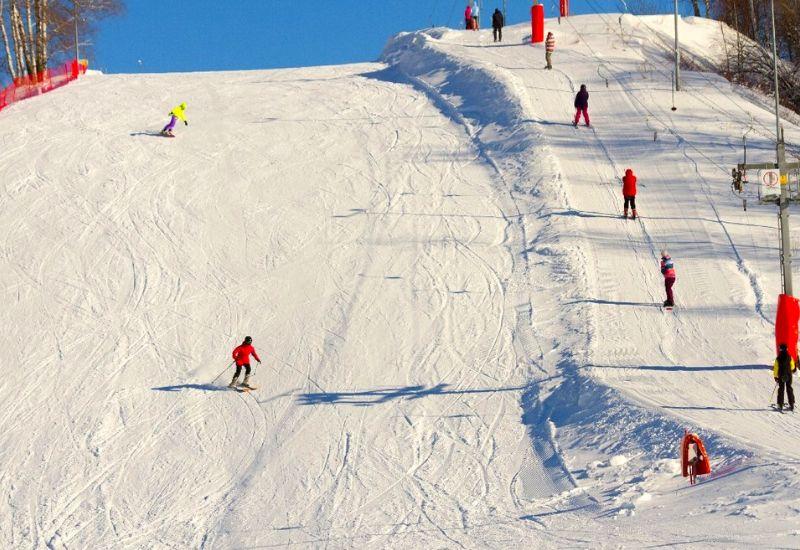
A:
(780, 169)
(677, 53)
(786, 243)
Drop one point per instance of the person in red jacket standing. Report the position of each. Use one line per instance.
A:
(629, 192)
(468, 17)
(241, 355)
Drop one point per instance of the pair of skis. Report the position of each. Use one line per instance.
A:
(243, 389)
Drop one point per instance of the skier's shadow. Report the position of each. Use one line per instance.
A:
(549, 122)
(380, 396)
(151, 134)
(201, 387)
(613, 303)
(585, 214)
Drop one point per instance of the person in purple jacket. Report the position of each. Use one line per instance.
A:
(668, 271)
(581, 106)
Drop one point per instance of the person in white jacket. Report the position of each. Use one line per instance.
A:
(476, 13)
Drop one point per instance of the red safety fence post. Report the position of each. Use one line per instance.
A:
(564, 8)
(537, 22)
(786, 319)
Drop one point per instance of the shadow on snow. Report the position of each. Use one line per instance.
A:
(379, 396)
(201, 387)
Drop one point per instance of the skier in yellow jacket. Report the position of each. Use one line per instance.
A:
(177, 113)
(782, 373)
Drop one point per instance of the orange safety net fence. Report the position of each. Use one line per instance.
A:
(45, 81)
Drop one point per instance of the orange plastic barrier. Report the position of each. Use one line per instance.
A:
(701, 465)
(786, 319)
(537, 23)
(45, 81)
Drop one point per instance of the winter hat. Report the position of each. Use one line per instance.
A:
(628, 172)
(783, 347)
(248, 340)
(583, 87)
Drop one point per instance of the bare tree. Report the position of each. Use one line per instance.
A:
(40, 29)
(749, 63)
(9, 63)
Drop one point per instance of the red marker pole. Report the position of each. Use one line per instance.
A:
(786, 324)
(537, 23)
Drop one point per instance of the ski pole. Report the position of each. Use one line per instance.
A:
(773, 392)
(223, 372)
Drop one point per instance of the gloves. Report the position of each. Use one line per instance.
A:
(776, 380)
(186, 123)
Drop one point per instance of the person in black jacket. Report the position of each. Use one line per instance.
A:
(782, 373)
(581, 106)
(498, 22)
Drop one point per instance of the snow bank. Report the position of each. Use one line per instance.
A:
(614, 353)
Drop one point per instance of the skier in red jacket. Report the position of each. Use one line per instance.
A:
(629, 192)
(241, 354)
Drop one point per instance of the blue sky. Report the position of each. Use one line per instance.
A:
(198, 35)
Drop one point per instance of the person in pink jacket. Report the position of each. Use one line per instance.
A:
(468, 17)
(668, 271)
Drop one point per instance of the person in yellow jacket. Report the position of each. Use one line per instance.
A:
(177, 113)
(782, 373)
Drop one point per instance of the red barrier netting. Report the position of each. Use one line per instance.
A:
(45, 81)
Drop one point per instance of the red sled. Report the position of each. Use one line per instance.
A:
(694, 458)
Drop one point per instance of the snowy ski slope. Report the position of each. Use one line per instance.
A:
(460, 335)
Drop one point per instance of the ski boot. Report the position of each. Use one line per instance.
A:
(790, 408)
(246, 382)
(625, 214)
(633, 217)
(234, 382)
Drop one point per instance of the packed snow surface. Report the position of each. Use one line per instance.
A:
(461, 338)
